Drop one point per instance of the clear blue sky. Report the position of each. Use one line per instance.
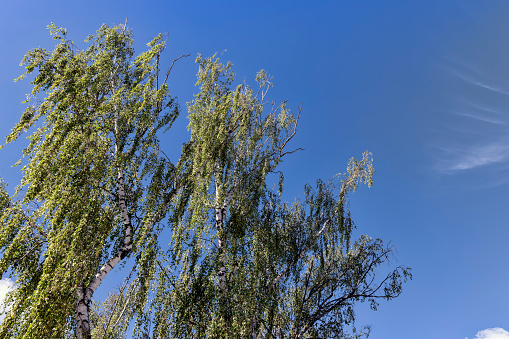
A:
(423, 85)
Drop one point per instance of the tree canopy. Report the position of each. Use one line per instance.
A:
(210, 249)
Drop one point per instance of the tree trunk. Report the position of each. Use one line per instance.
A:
(82, 319)
(220, 221)
(85, 294)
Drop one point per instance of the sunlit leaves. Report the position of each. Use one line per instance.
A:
(216, 251)
(94, 113)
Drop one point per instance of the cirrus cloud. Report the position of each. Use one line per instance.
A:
(473, 133)
(465, 158)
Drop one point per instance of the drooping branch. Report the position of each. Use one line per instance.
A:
(359, 171)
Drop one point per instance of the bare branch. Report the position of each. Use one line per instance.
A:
(173, 63)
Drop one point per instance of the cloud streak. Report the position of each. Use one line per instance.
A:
(474, 79)
(466, 158)
(485, 108)
(481, 117)
(476, 132)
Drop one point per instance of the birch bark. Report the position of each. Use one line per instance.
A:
(220, 215)
(85, 294)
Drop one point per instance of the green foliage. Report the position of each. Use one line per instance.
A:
(216, 252)
(99, 118)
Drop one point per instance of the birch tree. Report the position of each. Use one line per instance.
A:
(94, 182)
(215, 250)
(245, 263)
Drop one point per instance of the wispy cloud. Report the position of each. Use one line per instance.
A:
(475, 77)
(6, 285)
(479, 83)
(460, 63)
(461, 158)
(474, 133)
(485, 108)
(492, 333)
(480, 117)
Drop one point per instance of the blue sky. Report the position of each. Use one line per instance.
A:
(422, 85)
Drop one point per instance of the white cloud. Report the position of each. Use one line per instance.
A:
(6, 285)
(492, 333)
(476, 132)
(465, 158)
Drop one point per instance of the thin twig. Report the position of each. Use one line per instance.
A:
(173, 63)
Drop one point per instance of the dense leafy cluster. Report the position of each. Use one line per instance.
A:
(212, 250)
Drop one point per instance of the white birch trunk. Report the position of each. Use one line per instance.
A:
(85, 294)
(82, 307)
(220, 221)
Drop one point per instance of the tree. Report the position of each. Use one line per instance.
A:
(97, 192)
